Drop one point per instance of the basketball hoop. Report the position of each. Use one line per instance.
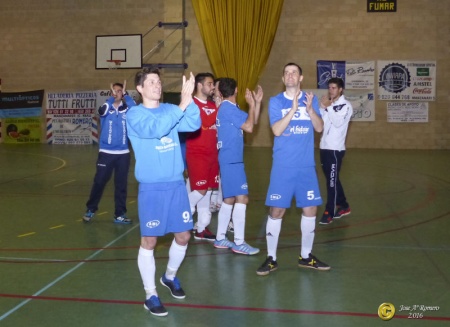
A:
(113, 63)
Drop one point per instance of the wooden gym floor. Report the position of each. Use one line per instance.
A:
(394, 248)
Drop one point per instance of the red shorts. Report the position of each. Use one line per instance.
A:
(203, 170)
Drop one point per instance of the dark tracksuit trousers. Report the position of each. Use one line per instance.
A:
(331, 161)
(107, 164)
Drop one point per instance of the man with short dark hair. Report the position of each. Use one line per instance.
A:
(201, 157)
(294, 117)
(231, 125)
(114, 154)
(336, 112)
(163, 203)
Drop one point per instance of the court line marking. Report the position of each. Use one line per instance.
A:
(17, 307)
(26, 234)
(54, 227)
(219, 307)
(68, 182)
(32, 259)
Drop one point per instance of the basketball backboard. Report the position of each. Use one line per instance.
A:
(124, 48)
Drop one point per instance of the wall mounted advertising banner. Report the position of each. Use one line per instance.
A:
(360, 75)
(356, 75)
(328, 69)
(407, 112)
(21, 116)
(71, 118)
(407, 80)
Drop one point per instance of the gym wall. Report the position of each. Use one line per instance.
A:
(51, 46)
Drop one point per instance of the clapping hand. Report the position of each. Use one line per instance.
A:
(258, 95)
(186, 91)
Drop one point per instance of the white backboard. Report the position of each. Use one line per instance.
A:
(126, 48)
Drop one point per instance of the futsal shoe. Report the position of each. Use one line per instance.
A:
(205, 235)
(341, 212)
(267, 267)
(174, 287)
(122, 220)
(223, 244)
(154, 305)
(313, 263)
(88, 216)
(326, 218)
(244, 248)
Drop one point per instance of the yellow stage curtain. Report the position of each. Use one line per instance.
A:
(238, 36)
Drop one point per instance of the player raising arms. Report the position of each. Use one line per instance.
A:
(201, 156)
(163, 202)
(231, 125)
(294, 116)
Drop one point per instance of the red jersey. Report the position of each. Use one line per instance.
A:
(205, 139)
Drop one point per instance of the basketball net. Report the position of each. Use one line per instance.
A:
(114, 64)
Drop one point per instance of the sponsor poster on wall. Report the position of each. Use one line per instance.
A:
(21, 116)
(71, 117)
(328, 69)
(357, 75)
(407, 80)
(407, 112)
(360, 75)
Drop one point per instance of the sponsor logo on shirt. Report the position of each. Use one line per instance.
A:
(299, 130)
(275, 196)
(338, 107)
(209, 111)
(167, 145)
(152, 224)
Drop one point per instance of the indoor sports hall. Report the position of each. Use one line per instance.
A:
(389, 258)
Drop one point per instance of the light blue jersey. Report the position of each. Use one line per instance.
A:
(154, 136)
(229, 133)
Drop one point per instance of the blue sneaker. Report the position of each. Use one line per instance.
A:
(244, 248)
(122, 220)
(88, 216)
(154, 305)
(223, 244)
(174, 287)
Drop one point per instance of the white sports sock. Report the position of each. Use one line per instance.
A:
(147, 268)
(239, 223)
(204, 215)
(223, 220)
(188, 185)
(176, 256)
(308, 226)
(214, 195)
(219, 193)
(273, 228)
(194, 197)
